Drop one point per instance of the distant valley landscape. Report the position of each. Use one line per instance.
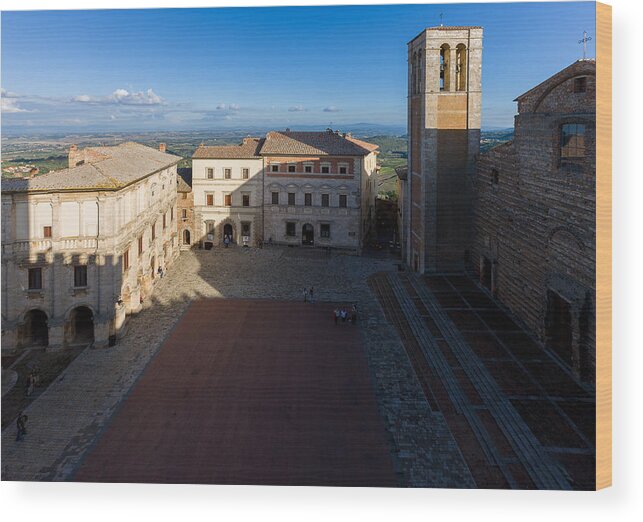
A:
(22, 152)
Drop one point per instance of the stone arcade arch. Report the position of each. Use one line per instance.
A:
(80, 326)
(228, 230)
(445, 67)
(35, 330)
(307, 234)
(461, 67)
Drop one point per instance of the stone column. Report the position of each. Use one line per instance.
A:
(452, 70)
(101, 331)
(56, 333)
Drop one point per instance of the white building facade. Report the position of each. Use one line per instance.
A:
(227, 183)
(81, 247)
(291, 188)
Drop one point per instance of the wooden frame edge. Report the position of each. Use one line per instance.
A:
(603, 245)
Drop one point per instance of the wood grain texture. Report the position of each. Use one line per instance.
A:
(603, 245)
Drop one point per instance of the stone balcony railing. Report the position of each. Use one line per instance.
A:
(44, 245)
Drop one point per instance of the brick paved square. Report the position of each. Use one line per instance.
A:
(250, 392)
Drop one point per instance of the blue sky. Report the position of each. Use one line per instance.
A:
(181, 69)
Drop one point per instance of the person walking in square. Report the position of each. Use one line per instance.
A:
(29, 385)
(312, 294)
(21, 423)
(305, 292)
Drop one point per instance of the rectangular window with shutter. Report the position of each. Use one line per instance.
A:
(275, 198)
(209, 200)
(343, 200)
(80, 276)
(325, 200)
(227, 200)
(46, 232)
(126, 260)
(35, 279)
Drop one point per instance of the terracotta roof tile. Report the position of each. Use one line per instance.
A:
(117, 167)
(326, 143)
(247, 149)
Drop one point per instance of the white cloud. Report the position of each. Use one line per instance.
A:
(8, 94)
(331, 108)
(222, 107)
(82, 98)
(10, 105)
(123, 97)
(234, 107)
(296, 108)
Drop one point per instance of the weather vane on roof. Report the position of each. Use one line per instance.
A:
(584, 41)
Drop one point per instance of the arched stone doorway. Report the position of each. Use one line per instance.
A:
(228, 231)
(35, 331)
(186, 237)
(80, 326)
(307, 234)
(586, 364)
(558, 327)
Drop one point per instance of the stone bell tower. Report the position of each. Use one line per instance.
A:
(444, 106)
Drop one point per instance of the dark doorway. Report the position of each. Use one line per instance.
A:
(307, 234)
(35, 329)
(152, 267)
(558, 327)
(81, 326)
(227, 231)
(485, 273)
(186, 237)
(587, 373)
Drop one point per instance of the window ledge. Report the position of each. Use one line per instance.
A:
(35, 293)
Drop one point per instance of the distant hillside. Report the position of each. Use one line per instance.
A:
(493, 138)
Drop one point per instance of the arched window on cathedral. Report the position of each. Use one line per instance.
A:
(419, 74)
(444, 67)
(461, 67)
(413, 72)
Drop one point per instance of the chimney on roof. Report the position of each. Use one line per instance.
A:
(162, 147)
(33, 171)
(287, 129)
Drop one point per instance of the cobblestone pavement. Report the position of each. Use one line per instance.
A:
(68, 417)
(518, 414)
